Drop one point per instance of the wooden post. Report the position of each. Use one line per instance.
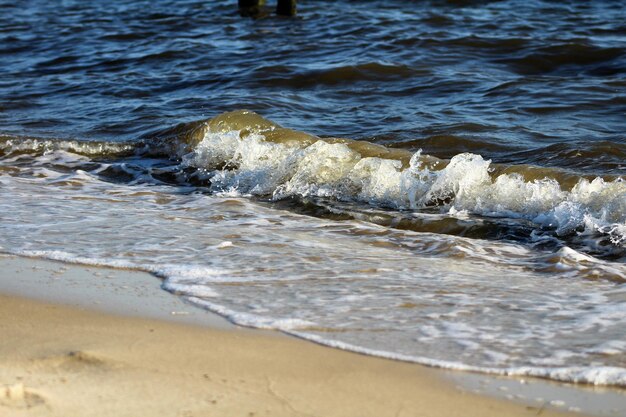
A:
(253, 7)
(249, 7)
(286, 8)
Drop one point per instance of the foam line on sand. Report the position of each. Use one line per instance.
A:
(65, 359)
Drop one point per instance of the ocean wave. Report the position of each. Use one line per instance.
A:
(578, 56)
(246, 153)
(349, 74)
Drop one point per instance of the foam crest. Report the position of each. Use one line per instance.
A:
(320, 170)
(24, 145)
(250, 163)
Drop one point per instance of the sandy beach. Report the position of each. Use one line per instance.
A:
(82, 356)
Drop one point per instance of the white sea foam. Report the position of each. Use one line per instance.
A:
(35, 145)
(251, 320)
(62, 256)
(595, 375)
(256, 166)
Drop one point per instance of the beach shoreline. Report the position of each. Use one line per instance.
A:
(73, 329)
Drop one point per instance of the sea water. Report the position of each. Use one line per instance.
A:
(437, 183)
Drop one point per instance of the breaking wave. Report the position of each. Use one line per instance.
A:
(242, 152)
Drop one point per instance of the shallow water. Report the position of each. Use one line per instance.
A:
(478, 221)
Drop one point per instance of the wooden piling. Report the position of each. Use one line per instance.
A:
(286, 8)
(249, 7)
(253, 8)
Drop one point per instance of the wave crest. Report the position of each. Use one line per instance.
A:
(262, 158)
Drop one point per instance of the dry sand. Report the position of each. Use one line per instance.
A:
(69, 360)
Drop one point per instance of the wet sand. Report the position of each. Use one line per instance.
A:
(110, 343)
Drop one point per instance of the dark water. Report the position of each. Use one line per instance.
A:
(111, 154)
(520, 81)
